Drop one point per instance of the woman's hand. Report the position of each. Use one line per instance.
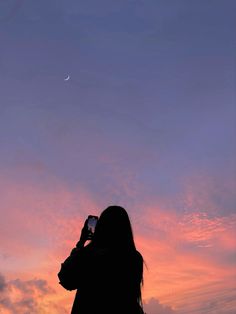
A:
(85, 235)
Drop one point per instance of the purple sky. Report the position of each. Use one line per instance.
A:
(147, 114)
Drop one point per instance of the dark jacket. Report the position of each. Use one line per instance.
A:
(107, 280)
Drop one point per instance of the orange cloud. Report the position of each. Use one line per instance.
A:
(187, 253)
(189, 250)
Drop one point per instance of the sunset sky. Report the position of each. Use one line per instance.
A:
(147, 121)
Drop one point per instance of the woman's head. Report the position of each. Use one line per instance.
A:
(114, 229)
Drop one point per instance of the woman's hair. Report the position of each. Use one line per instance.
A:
(113, 229)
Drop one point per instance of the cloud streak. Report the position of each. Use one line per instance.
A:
(184, 253)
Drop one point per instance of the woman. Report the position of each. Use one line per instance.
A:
(108, 272)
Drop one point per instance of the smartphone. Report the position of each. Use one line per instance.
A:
(91, 223)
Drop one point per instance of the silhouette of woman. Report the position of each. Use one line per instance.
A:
(108, 272)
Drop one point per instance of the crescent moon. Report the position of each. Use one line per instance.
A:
(67, 78)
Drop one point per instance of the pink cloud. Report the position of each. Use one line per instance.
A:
(182, 250)
(153, 306)
(39, 221)
(188, 250)
(200, 229)
(25, 296)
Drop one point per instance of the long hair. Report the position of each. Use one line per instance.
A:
(113, 230)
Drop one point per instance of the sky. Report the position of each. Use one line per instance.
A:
(146, 121)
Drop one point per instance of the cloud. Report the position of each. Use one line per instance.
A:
(47, 217)
(183, 251)
(2, 283)
(30, 286)
(189, 250)
(25, 296)
(153, 306)
(213, 297)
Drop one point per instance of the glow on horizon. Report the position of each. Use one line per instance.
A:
(177, 261)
